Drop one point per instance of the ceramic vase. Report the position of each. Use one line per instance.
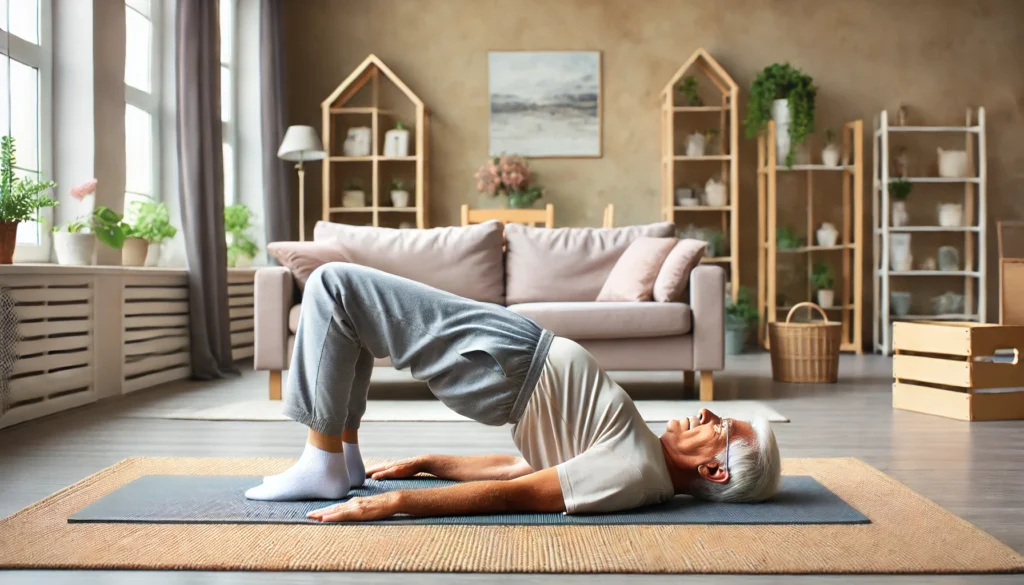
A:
(780, 115)
(134, 252)
(400, 198)
(695, 144)
(826, 297)
(827, 235)
(952, 163)
(830, 155)
(153, 254)
(900, 217)
(396, 143)
(951, 214)
(899, 303)
(357, 142)
(949, 259)
(900, 259)
(76, 249)
(353, 198)
(715, 193)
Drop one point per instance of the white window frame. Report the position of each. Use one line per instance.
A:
(229, 129)
(41, 58)
(150, 102)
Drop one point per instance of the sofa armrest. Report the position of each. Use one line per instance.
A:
(274, 296)
(707, 303)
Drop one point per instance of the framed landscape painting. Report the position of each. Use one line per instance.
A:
(545, 104)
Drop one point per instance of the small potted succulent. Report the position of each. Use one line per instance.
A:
(21, 198)
(899, 190)
(823, 279)
(353, 195)
(688, 87)
(740, 318)
(831, 154)
(399, 193)
(241, 247)
(152, 224)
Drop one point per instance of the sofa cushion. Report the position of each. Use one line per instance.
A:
(467, 261)
(566, 264)
(675, 271)
(593, 320)
(293, 318)
(632, 278)
(302, 258)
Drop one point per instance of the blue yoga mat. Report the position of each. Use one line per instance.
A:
(212, 499)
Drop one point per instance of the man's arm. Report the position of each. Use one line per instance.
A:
(537, 492)
(472, 468)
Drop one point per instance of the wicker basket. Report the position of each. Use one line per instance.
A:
(805, 352)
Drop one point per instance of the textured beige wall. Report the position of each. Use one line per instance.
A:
(865, 55)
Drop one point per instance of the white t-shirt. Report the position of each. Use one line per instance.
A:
(583, 423)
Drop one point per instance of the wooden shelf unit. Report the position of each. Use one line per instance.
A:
(728, 155)
(974, 229)
(336, 167)
(850, 298)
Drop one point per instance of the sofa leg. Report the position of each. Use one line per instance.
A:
(275, 384)
(688, 379)
(707, 386)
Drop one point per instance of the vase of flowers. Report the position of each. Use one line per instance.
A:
(508, 176)
(21, 199)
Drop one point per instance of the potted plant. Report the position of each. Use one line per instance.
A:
(21, 199)
(822, 278)
(715, 240)
(241, 247)
(75, 242)
(688, 87)
(899, 190)
(786, 95)
(831, 154)
(786, 238)
(396, 141)
(740, 318)
(709, 138)
(353, 195)
(135, 248)
(153, 224)
(399, 193)
(509, 176)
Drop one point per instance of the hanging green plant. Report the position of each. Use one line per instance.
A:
(782, 82)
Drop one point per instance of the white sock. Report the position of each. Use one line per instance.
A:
(317, 475)
(354, 463)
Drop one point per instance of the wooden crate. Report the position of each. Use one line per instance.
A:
(966, 371)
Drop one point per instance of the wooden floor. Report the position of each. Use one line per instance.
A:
(974, 470)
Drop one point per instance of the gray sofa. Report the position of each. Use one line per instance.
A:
(549, 275)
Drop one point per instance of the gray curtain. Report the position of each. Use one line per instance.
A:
(276, 185)
(201, 173)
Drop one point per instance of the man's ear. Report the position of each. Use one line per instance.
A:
(713, 473)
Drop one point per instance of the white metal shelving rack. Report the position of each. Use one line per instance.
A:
(974, 229)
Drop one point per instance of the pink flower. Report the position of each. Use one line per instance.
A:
(84, 190)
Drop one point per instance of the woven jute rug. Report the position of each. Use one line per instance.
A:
(907, 534)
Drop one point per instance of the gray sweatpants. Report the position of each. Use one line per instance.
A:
(479, 359)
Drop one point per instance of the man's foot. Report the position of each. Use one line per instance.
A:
(317, 475)
(354, 463)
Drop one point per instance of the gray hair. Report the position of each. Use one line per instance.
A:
(754, 469)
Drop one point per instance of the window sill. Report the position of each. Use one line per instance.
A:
(48, 268)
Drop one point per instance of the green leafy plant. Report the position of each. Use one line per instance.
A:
(398, 185)
(822, 276)
(108, 225)
(399, 126)
(716, 241)
(21, 198)
(688, 87)
(742, 311)
(830, 136)
(899, 189)
(237, 221)
(352, 185)
(777, 82)
(786, 238)
(152, 221)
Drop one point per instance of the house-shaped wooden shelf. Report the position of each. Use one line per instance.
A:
(713, 113)
(375, 100)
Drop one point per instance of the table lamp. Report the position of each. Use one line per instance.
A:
(301, 144)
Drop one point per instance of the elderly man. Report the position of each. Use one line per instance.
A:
(584, 446)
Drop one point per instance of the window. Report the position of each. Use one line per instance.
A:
(142, 102)
(227, 97)
(25, 73)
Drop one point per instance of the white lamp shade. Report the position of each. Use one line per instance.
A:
(301, 143)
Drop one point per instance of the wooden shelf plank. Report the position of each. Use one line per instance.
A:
(930, 228)
(965, 129)
(382, 209)
(699, 109)
(967, 273)
(351, 209)
(805, 249)
(824, 168)
(388, 208)
(944, 317)
(703, 158)
(703, 208)
(716, 259)
(350, 158)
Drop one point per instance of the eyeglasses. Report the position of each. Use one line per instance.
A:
(728, 423)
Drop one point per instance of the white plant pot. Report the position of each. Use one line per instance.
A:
(952, 163)
(951, 214)
(780, 115)
(242, 261)
(74, 249)
(153, 254)
(134, 252)
(900, 217)
(353, 199)
(900, 258)
(357, 142)
(826, 297)
(396, 143)
(406, 225)
(827, 235)
(716, 194)
(400, 198)
(830, 155)
(695, 144)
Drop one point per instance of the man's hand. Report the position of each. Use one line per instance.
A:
(398, 469)
(359, 509)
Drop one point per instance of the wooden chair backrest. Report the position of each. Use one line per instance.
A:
(1010, 236)
(609, 216)
(532, 217)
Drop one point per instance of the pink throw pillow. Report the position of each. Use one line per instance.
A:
(632, 278)
(675, 272)
(302, 258)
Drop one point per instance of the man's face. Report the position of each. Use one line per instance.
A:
(694, 442)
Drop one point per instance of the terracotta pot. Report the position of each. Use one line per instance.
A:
(134, 251)
(8, 239)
